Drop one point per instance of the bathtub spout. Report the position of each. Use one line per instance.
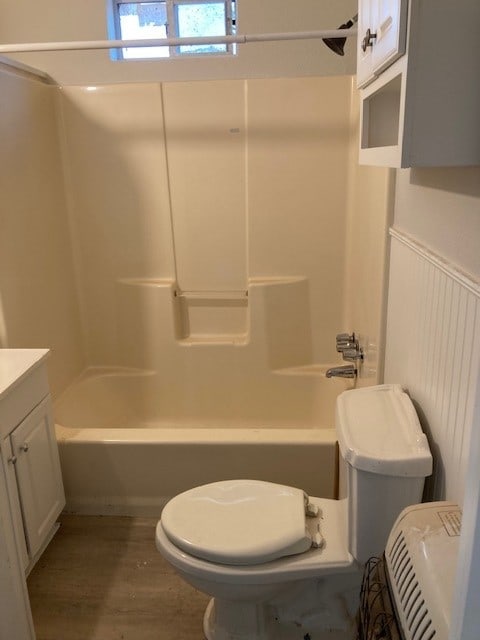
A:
(345, 371)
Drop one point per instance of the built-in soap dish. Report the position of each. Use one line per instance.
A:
(212, 317)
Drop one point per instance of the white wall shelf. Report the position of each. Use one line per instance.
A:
(422, 108)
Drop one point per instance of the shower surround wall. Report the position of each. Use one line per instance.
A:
(38, 301)
(369, 212)
(182, 199)
(159, 180)
(208, 221)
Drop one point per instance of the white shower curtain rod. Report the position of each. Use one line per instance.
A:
(175, 42)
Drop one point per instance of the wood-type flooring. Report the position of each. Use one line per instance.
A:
(101, 578)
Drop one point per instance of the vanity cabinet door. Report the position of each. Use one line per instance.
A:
(9, 462)
(39, 476)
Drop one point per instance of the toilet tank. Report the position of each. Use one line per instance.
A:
(384, 459)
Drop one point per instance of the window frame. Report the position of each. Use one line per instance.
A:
(115, 31)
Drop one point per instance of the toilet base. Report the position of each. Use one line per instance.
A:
(227, 620)
(320, 609)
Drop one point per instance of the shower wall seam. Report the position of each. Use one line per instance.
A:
(70, 208)
(167, 165)
(247, 195)
(349, 205)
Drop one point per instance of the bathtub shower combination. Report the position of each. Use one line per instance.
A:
(195, 409)
(211, 282)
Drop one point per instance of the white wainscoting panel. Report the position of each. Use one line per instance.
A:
(433, 350)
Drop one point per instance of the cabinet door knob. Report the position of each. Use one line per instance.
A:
(24, 447)
(12, 460)
(368, 40)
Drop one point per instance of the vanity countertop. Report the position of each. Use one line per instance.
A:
(15, 364)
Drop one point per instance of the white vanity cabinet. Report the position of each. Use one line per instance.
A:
(34, 478)
(417, 71)
(31, 488)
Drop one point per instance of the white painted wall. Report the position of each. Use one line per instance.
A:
(465, 616)
(58, 20)
(440, 208)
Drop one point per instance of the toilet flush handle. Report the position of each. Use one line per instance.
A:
(311, 510)
(318, 541)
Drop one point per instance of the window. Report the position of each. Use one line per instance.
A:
(172, 18)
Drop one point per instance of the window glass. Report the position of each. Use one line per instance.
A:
(196, 20)
(141, 20)
(172, 18)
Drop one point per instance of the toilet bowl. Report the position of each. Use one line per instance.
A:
(241, 592)
(280, 564)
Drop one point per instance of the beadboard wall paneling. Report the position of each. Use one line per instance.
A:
(433, 349)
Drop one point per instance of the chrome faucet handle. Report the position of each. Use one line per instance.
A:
(346, 341)
(353, 354)
(343, 346)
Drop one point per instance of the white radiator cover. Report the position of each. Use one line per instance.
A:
(421, 559)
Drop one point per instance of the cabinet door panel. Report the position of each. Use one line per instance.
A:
(387, 22)
(38, 474)
(15, 508)
(366, 20)
(390, 29)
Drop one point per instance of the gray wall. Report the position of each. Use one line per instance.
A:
(441, 209)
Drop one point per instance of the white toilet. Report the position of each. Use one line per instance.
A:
(279, 563)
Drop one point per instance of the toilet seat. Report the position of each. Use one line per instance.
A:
(334, 557)
(238, 522)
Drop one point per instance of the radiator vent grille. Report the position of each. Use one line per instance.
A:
(419, 625)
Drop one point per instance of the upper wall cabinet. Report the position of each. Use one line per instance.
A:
(382, 29)
(418, 61)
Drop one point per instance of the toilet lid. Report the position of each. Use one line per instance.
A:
(238, 522)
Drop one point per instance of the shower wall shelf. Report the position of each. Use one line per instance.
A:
(212, 317)
(156, 311)
(212, 295)
(420, 108)
(237, 340)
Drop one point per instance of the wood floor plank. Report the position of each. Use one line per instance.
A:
(101, 578)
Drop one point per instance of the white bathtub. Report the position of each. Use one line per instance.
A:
(120, 454)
